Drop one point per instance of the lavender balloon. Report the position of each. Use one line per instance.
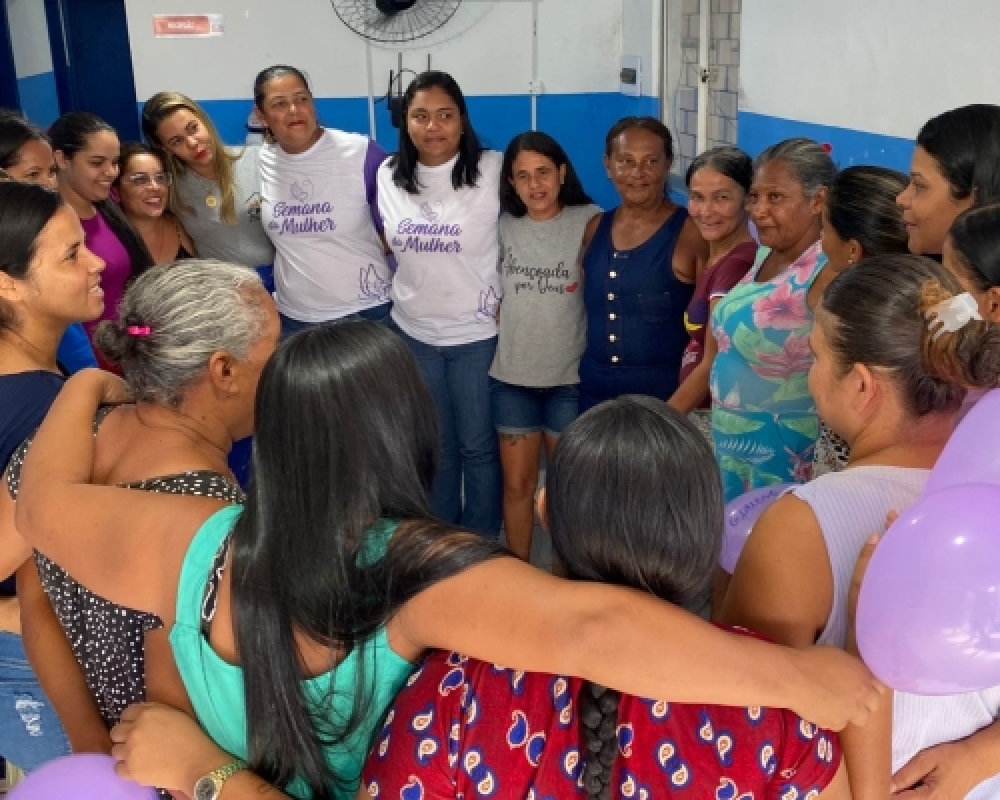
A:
(928, 619)
(971, 455)
(80, 777)
(741, 515)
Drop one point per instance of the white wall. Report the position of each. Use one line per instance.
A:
(30, 37)
(884, 66)
(486, 45)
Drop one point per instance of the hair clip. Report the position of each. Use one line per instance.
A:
(138, 330)
(952, 314)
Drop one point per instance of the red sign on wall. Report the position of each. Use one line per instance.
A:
(185, 25)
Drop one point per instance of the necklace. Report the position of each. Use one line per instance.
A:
(211, 201)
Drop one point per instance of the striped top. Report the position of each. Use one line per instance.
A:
(850, 506)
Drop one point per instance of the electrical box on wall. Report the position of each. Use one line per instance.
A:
(631, 76)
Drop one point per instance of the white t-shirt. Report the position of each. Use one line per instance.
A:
(446, 241)
(315, 207)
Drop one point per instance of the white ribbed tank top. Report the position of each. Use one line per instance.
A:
(850, 506)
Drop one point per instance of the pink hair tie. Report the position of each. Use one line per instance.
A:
(138, 330)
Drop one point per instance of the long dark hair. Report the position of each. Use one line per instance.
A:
(345, 436)
(69, 136)
(861, 205)
(571, 193)
(25, 209)
(975, 237)
(965, 142)
(15, 133)
(875, 314)
(404, 162)
(612, 522)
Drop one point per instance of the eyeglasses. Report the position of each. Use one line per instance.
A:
(143, 179)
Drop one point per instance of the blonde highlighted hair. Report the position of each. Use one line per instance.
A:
(160, 106)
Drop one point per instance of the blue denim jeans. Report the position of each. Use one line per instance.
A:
(30, 732)
(469, 462)
(376, 314)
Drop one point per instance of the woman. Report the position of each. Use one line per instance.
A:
(548, 221)
(25, 152)
(641, 269)
(143, 187)
(26, 157)
(764, 422)
(718, 182)
(972, 254)
(953, 169)
(87, 153)
(180, 329)
(214, 190)
(48, 281)
(215, 193)
(550, 735)
(312, 587)
(318, 193)
(892, 388)
(439, 202)
(860, 219)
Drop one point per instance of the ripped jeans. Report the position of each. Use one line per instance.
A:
(30, 732)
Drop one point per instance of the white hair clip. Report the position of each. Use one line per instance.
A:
(952, 314)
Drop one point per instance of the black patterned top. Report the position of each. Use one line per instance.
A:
(107, 639)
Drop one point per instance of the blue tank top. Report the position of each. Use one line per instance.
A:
(635, 303)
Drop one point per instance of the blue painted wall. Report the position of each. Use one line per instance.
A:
(578, 121)
(39, 100)
(758, 131)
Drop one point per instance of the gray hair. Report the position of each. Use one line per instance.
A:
(806, 160)
(180, 315)
(729, 161)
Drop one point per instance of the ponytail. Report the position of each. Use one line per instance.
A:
(878, 313)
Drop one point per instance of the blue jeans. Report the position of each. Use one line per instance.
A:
(458, 379)
(290, 326)
(30, 732)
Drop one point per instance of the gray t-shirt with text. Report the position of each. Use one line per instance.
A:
(543, 325)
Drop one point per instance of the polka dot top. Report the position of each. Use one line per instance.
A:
(107, 639)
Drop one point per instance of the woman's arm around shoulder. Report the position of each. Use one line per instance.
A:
(782, 586)
(91, 531)
(690, 254)
(506, 612)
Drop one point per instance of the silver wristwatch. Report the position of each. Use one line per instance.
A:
(210, 786)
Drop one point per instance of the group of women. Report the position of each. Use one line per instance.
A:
(272, 641)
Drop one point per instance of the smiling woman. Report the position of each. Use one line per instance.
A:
(87, 153)
(143, 186)
(764, 421)
(48, 281)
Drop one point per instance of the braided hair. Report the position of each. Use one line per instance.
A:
(611, 522)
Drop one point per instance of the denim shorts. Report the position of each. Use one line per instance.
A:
(30, 732)
(525, 409)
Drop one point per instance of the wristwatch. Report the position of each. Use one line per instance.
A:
(210, 786)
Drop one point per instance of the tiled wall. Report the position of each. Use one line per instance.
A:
(724, 54)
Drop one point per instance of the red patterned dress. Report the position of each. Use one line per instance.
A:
(465, 729)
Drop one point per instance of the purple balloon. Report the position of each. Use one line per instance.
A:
(741, 514)
(80, 777)
(928, 618)
(970, 456)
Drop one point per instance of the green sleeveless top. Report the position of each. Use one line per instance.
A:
(216, 687)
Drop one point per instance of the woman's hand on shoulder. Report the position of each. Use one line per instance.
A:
(104, 387)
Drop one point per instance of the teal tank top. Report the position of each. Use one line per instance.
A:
(216, 687)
